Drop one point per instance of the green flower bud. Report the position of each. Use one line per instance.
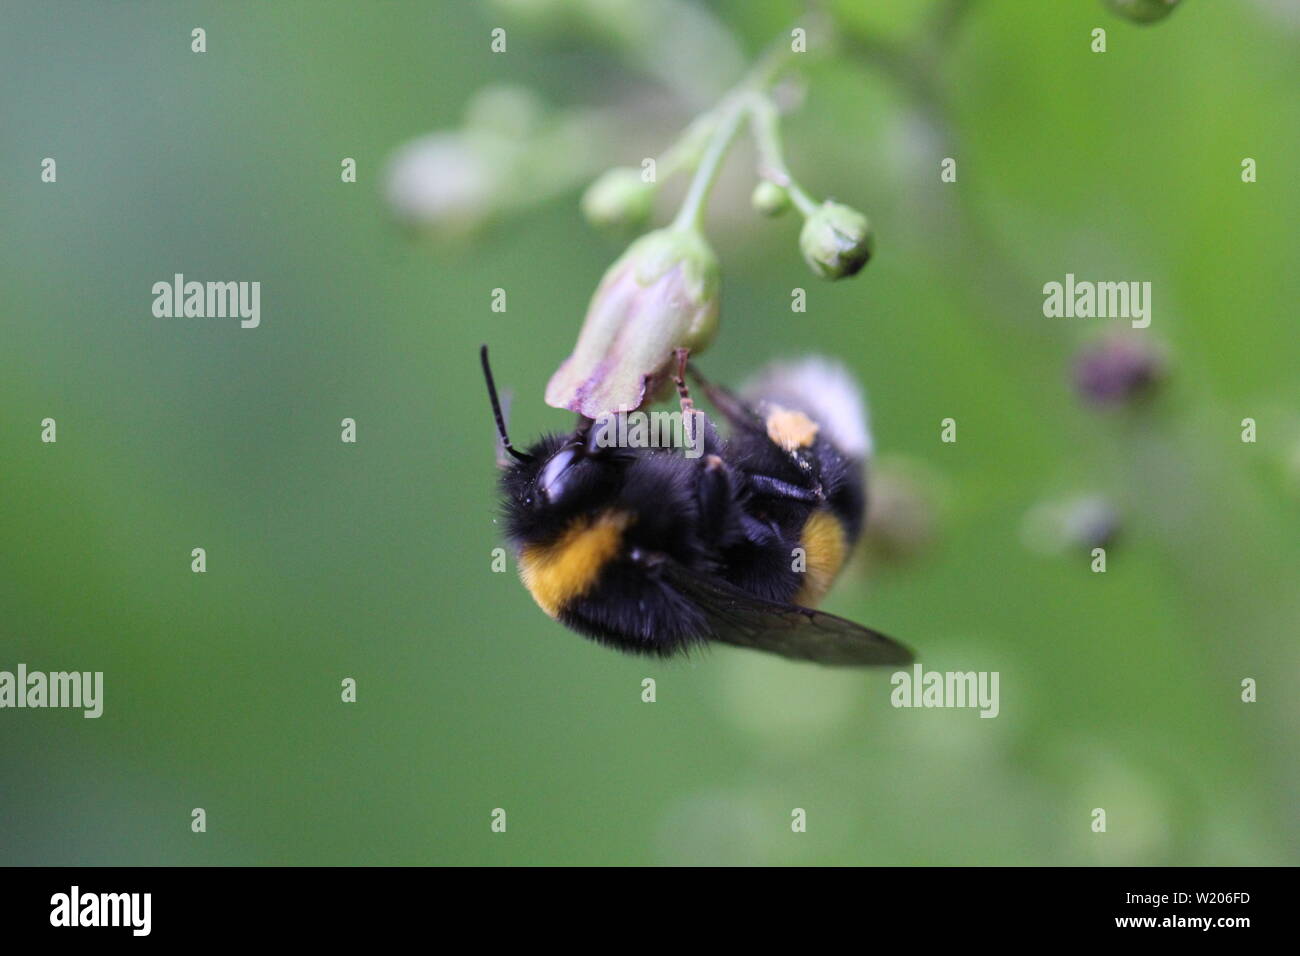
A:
(660, 295)
(836, 241)
(1142, 11)
(619, 198)
(769, 199)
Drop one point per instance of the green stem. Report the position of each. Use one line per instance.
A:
(687, 151)
(748, 100)
(691, 213)
(772, 167)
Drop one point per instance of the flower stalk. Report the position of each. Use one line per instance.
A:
(661, 295)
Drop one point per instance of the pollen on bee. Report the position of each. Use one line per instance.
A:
(790, 429)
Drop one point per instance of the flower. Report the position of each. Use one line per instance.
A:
(660, 295)
(836, 240)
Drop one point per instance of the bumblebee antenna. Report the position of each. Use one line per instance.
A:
(496, 410)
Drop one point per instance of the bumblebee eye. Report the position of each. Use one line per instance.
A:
(551, 480)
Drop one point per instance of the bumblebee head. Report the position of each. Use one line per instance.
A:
(564, 476)
(562, 471)
(555, 480)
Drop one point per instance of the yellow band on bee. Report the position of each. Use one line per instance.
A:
(825, 547)
(566, 569)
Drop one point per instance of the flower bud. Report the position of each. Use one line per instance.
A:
(1142, 11)
(769, 199)
(448, 182)
(1118, 370)
(903, 509)
(619, 199)
(836, 241)
(660, 295)
(1079, 522)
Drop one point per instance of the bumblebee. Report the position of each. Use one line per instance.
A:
(650, 551)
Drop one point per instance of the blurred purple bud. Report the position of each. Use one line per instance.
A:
(1117, 370)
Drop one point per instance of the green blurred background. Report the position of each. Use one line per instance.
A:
(373, 561)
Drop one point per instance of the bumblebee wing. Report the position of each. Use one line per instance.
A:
(738, 617)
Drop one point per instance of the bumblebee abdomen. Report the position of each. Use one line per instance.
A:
(562, 571)
(825, 542)
(634, 610)
(585, 579)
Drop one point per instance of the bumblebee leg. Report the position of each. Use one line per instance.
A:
(702, 437)
(776, 488)
(717, 499)
(679, 379)
(732, 408)
(582, 427)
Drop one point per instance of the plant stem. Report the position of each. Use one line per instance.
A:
(687, 151)
(730, 114)
(772, 167)
(749, 96)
